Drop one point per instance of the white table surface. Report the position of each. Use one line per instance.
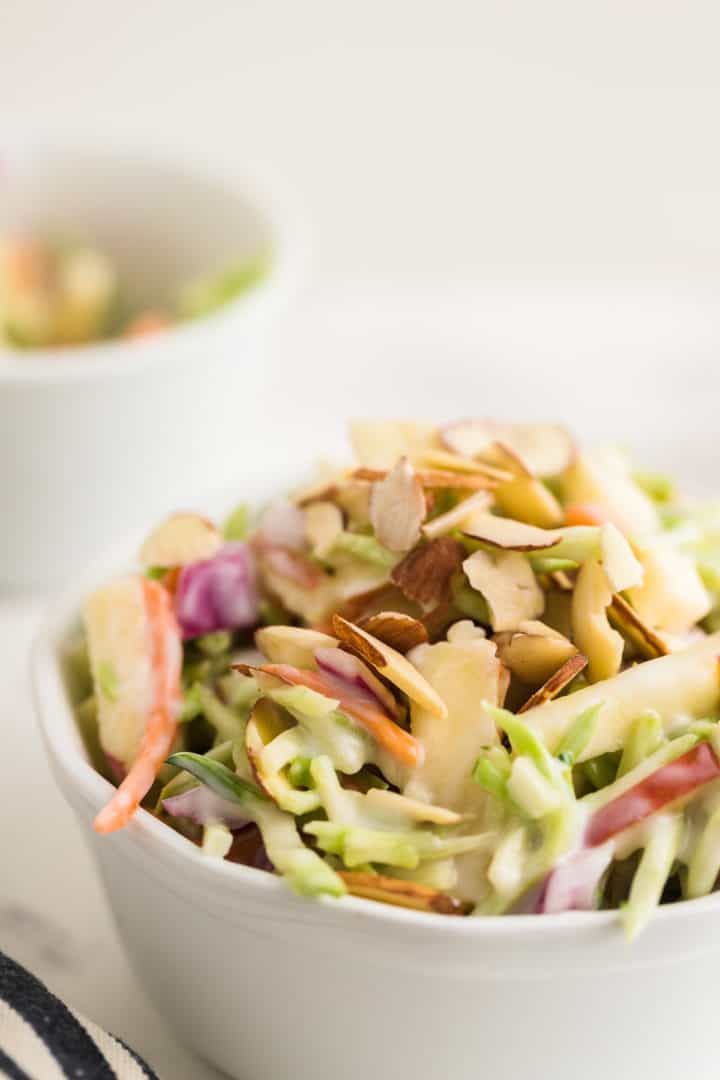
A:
(640, 367)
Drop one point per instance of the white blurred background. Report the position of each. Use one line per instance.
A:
(514, 205)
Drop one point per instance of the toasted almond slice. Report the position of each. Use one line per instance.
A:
(391, 664)
(592, 633)
(386, 597)
(509, 535)
(292, 644)
(448, 462)
(625, 619)
(533, 658)
(292, 565)
(412, 808)
(459, 516)
(425, 573)
(323, 524)
(322, 492)
(408, 894)
(547, 449)
(398, 508)
(401, 632)
(182, 538)
(557, 682)
(509, 586)
(435, 478)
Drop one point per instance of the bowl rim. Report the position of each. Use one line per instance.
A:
(64, 748)
(267, 198)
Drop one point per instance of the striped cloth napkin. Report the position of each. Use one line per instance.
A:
(43, 1039)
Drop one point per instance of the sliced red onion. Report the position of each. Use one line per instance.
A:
(204, 807)
(219, 593)
(116, 767)
(283, 525)
(573, 884)
(352, 672)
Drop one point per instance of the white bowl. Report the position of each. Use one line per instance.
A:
(98, 437)
(268, 986)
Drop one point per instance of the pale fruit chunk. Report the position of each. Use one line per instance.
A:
(292, 645)
(378, 444)
(602, 478)
(391, 665)
(671, 597)
(466, 675)
(449, 462)
(117, 633)
(398, 507)
(465, 630)
(400, 893)
(509, 586)
(323, 524)
(592, 632)
(525, 497)
(621, 567)
(401, 632)
(684, 684)
(181, 539)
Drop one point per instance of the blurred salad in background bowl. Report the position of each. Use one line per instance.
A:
(66, 294)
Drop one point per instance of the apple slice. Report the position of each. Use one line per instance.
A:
(683, 684)
(592, 632)
(398, 507)
(602, 478)
(379, 443)
(181, 539)
(391, 665)
(509, 587)
(676, 780)
(408, 894)
(323, 524)
(292, 644)
(557, 682)
(449, 462)
(671, 595)
(401, 632)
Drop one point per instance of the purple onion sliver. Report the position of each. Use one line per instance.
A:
(219, 593)
(573, 884)
(204, 807)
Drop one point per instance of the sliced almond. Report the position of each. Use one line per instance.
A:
(293, 565)
(425, 573)
(533, 658)
(449, 462)
(509, 587)
(323, 524)
(413, 809)
(557, 682)
(408, 894)
(458, 517)
(591, 630)
(547, 449)
(626, 620)
(435, 478)
(509, 535)
(292, 644)
(391, 664)
(181, 539)
(386, 597)
(401, 632)
(465, 630)
(398, 508)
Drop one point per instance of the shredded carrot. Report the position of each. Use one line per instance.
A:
(385, 731)
(161, 724)
(147, 324)
(586, 514)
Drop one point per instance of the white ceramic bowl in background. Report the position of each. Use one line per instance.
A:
(268, 986)
(96, 438)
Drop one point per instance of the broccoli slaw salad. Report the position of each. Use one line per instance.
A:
(475, 673)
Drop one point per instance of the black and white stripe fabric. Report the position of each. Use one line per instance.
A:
(43, 1039)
